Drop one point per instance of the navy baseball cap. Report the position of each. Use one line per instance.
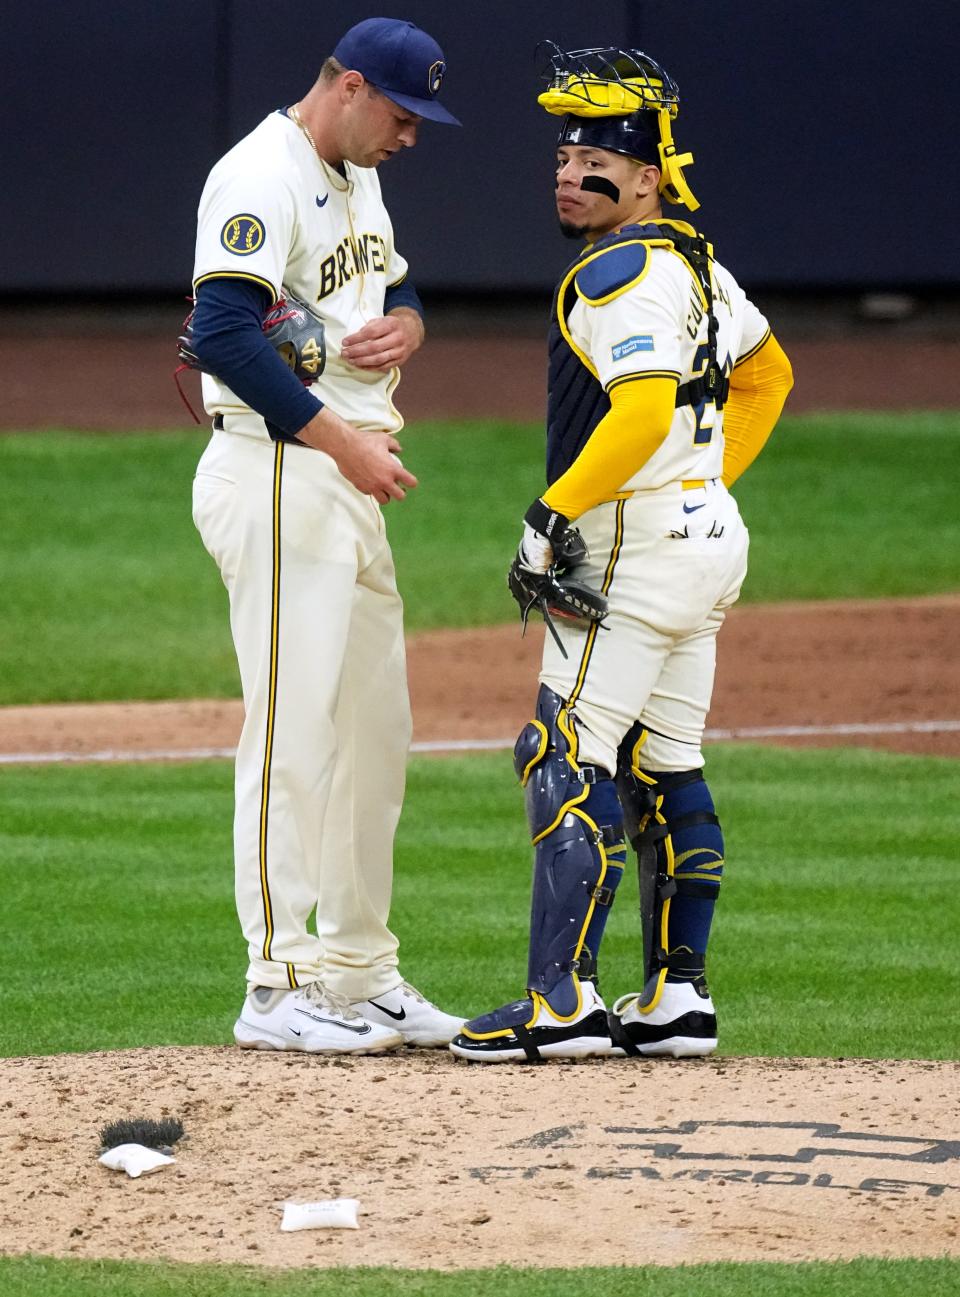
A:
(403, 62)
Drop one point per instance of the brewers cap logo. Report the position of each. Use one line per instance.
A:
(435, 76)
(243, 234)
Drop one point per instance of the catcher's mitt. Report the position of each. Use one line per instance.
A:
(554, 593)
(291, 325)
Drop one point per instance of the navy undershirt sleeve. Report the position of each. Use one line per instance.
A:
(402, 294)
(228, 341)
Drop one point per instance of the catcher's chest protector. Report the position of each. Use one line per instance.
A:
(576, 401)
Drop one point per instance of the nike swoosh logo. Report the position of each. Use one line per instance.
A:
(693, 508)
(322, 202)
(397, 1017)
(293, 1031)
(333, 1022)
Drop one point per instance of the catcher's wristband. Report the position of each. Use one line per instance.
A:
(569, 547)
(546, 521)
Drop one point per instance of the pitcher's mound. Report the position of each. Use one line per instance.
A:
(462, 1165)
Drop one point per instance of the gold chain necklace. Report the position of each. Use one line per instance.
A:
(298, 121)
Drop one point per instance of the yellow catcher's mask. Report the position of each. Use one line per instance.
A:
(620, 100)
(590, 96)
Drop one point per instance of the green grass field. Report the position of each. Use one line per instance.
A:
(118, 927)
(118, 886)
(112, 595)
(42, 1277)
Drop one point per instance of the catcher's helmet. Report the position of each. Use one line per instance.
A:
(621, 100)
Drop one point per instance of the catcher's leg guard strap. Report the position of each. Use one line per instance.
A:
(639, 803)
(575, 822)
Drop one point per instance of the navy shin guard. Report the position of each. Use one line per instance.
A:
(576, 825)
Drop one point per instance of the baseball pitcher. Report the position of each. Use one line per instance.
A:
(303, 315)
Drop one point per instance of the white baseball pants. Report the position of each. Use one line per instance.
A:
(318, 630)
(671, 562)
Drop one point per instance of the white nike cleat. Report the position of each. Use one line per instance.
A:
(419, 1022)
(311, 1019)
(683, 1023)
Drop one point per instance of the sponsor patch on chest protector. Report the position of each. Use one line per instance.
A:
(639, 342)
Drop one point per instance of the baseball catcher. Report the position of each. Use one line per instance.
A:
(664, 383)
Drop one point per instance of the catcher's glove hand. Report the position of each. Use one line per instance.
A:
(539, 577)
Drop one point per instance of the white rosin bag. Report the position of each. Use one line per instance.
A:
(330, 1213)
(135, 1159)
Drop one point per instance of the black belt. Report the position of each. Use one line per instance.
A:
(592, 774)
(275, 434)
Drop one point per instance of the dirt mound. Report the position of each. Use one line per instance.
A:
(458, 1165)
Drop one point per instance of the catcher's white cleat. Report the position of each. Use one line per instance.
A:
(419, 1022)
(682, 1022)
(311, 1019)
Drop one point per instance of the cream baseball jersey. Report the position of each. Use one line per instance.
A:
(273, 212)
(658, 326)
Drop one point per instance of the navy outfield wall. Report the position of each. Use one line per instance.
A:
(822, 134)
